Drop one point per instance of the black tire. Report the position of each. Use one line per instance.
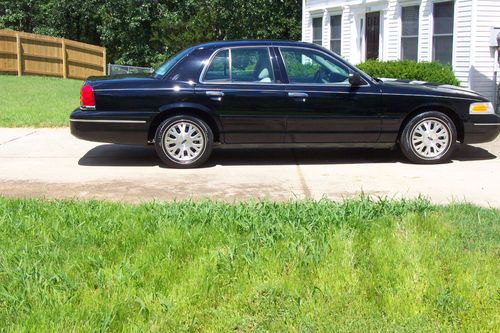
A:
(201, 147)
(438, 152)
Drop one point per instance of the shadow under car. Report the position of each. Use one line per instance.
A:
(133, 156)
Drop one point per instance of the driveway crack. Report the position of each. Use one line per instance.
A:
(17, 138)
(302, 179)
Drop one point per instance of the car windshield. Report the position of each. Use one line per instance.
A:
(167, 65)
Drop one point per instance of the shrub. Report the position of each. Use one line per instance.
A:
(434, 72)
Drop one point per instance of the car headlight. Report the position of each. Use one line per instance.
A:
(481, 108)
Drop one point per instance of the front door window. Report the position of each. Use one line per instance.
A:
(305, 66)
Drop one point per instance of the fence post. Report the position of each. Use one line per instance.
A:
(19, 55)
(64, 58)
(104, 61)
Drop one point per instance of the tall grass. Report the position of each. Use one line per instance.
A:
(36, 101)
(360, 265)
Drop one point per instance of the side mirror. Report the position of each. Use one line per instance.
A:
(355, 79)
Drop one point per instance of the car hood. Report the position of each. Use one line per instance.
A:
(427, 88)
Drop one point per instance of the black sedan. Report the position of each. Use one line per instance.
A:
(258, 94)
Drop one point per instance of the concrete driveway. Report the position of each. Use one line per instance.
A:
(51, 163)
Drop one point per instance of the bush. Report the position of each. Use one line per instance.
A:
(434, 72)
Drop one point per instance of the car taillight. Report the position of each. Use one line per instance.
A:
(87, 101)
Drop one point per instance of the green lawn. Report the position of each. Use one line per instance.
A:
(37, 101)
(355, 266)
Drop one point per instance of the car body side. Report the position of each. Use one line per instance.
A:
(129, 108)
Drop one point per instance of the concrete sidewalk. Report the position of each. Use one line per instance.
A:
(51, 163)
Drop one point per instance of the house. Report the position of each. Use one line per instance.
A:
(456, 32)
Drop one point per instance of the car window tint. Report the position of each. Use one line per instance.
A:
(218, 70)
(309, 66)
(251, 65)
(169, 64)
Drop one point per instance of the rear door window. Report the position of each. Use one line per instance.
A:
(219, 70)
(252, 65)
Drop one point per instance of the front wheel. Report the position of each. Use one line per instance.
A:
(183, 142)
(429, 138)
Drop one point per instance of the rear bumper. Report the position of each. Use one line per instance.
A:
(484, 128)
(110, 127)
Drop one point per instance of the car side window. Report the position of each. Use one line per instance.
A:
(252, 64)
(310, 66)
(219, 70)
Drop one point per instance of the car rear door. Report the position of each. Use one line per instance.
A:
(323, 106)
(241, 86)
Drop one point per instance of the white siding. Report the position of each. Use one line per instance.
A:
(473, 58)
(482, 66)
(392, 31)
(462, 40)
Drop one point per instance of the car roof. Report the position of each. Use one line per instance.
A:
(233, 43)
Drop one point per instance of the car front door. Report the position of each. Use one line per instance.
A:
(240, 86)
(323, 106)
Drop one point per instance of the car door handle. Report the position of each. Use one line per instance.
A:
(214, 93)
(297, 95)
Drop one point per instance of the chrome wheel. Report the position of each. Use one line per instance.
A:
(430, 138)
(184, 141)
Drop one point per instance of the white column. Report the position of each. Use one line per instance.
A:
(347, 35)
(325, 37)
(425, 31)
(306, 23)
(392, 32)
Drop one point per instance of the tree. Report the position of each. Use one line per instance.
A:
(194, 21)
(142, 32)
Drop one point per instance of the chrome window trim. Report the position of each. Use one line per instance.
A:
(229, 48)
(108, 121)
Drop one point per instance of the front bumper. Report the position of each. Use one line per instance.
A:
(110, 127)
(483, 128)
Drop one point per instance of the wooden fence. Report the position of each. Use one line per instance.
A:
(23, 53)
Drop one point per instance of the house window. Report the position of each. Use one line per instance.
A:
(318, 30)
(335, 33)
(442, 49)
(409, 32)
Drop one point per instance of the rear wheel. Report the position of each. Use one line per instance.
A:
(183, 142)
(428, 138)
